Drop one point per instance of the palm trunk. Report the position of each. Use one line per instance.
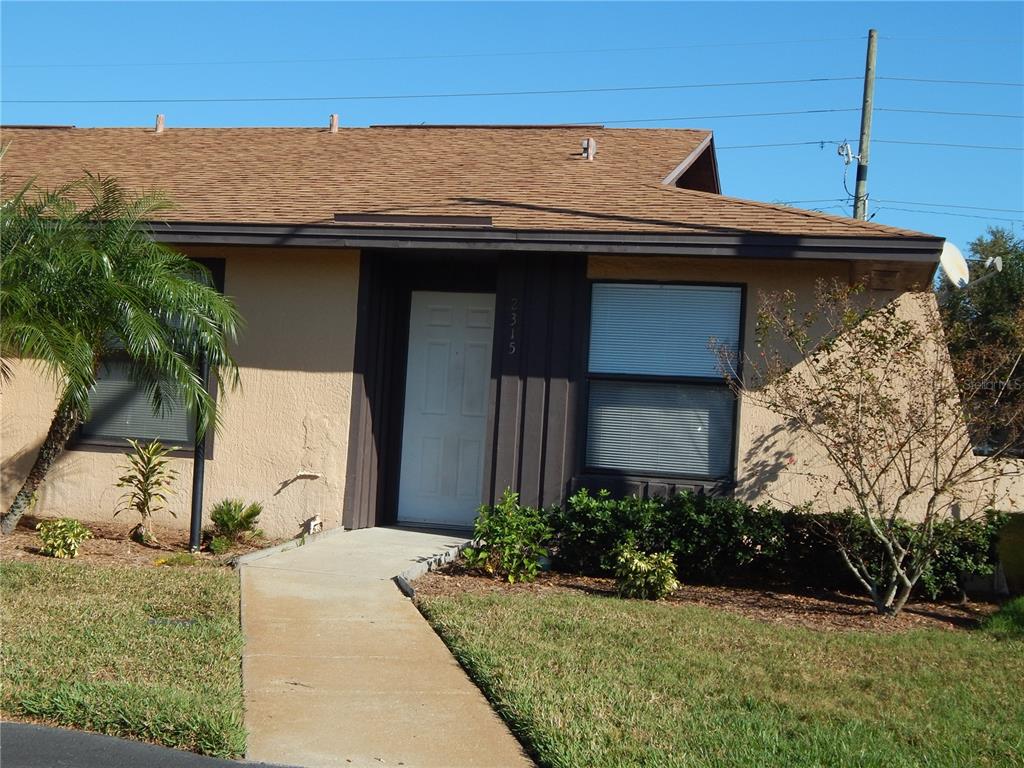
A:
(65, 421)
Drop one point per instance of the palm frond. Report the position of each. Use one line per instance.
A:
(81, 280)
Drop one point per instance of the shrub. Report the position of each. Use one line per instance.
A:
(961, 548)
(644, 576)
(590, 530)
(509, 540)
(712, 538)
(233, 519)
(715, 537)
(219, 545)
(1011, 551)
(148, 476)
(62, 537)
(1008, 621)
(708, 537)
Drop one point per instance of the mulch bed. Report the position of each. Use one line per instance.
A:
(112, 546)
(813, 608)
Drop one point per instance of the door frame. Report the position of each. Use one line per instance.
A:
(386, 283)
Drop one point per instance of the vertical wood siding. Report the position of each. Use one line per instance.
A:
(362, 488)
(541, 336)
(537, 367)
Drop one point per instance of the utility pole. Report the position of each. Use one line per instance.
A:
(860, 192)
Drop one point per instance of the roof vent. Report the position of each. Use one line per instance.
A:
(589, 148)
(332, 124)
(159, 124)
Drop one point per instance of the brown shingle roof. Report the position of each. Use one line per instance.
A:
(523, 178)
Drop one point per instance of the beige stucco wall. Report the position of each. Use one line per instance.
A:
(774, 464)
(290, 416)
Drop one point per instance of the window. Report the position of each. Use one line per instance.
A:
(657, 403)
(121, 409)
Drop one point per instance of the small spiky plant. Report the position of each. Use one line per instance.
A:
(148, 478)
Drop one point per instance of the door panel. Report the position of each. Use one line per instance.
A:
(447, 379)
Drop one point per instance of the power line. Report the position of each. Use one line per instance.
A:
(542, 92)
(947, 213)
(943, 144)
(422, 57)
(484, 54)
(622, 121)
(823, 142)
(980, 40)
(428, 95)
(716, 117)
(949, 205)
(904, 202)
(943, 112)
(949, 82)
(819, 200)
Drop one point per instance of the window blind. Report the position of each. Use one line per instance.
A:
(662, 329)
(120, 409)
(654, 428)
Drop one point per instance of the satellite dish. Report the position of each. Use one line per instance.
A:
(954, 265)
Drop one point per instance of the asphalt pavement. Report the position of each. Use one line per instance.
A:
(38, 746)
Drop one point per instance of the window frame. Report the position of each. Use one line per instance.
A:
(102, 444)
(714, 381)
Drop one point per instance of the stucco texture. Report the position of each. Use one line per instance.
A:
(288, 418)
(775, 464)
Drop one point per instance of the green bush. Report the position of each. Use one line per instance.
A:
(591, 529)
(509, 540)
(1008, 621)
(1011, 551)
(62, 537)
(964, 547)
(709, 537)
(219, 545)
(644, 576)
(714, 538)
(234, 520)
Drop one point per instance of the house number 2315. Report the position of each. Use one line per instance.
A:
(513, 326)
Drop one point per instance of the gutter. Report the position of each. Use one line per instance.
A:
(756, 246)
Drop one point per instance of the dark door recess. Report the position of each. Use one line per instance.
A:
(539, 357)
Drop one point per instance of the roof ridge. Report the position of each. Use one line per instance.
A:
(437, 126)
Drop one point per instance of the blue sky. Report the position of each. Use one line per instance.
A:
(165, 51)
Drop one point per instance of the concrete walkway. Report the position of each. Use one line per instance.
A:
(340, 668)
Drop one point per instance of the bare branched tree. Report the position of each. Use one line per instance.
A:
(871, 390)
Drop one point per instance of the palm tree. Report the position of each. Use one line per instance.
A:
(81, 280)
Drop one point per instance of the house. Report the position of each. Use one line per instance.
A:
(436, 313)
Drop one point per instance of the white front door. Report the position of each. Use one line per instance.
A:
(446, 385)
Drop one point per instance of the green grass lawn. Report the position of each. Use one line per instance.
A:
(596, 681)
(146, 653)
